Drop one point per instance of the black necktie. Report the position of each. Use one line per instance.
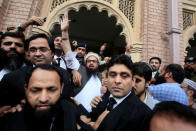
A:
(58, 61)
(111, 104)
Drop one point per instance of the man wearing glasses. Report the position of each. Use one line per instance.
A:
(41, 51)
(90, 83)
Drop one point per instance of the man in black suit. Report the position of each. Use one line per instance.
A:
(41, 51)
(11, 52)
(44, 110)
(155, 63)
(127, 112)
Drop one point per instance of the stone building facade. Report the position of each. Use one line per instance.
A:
(160, 28)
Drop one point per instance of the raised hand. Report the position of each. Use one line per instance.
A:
(64, 23)
(37, 21)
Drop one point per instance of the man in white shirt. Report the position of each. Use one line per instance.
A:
(62, 60)
(89, 85)
(91, 81)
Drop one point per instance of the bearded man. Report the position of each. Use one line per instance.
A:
(11, 52)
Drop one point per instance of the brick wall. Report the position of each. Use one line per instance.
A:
(155, 26)
(154, 20)
(18, 11)
(3, 8)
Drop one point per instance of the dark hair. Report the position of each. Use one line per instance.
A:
(159, 59)
(47, 67)
(40, 35)
(55, 36)
(121, 59)
(174, 109)
(177, 72)
(81, 45)
(12, 34)
(142, 69)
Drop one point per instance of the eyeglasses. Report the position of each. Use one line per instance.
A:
(41, 49)
(10, 43)
(189, 62)
(93, 61)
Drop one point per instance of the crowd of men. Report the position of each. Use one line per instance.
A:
(52, 85)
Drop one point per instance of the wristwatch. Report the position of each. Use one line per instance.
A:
(64, 38)
(19, 27)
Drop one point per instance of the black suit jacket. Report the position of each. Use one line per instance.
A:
(130, 115)
(64, 119)
(156, 75)
(12, 86)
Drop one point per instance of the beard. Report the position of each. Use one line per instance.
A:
(80, 58)
(42, 114)
(92, 72)
(11, 62)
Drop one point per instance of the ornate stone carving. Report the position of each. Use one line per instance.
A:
(127, 7)
(188, 19)
(55, 3)
(122, 10)
(110, 1)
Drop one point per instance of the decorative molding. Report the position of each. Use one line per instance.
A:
(174, 30)
(137, 51)
(126, 6)
(101, 5)
(75, 5)
(188, 18)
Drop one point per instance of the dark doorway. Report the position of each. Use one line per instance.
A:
(191, 49)
(94, 28)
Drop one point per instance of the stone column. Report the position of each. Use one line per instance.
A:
(173, 31)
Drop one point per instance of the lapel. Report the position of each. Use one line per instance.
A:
(125, 112)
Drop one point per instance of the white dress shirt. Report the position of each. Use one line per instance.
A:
(3, 72)
(119, 100)
(89, 91)
(70, 61)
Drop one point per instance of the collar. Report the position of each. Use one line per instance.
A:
(145, 96)
(55, 57)
(119, 100)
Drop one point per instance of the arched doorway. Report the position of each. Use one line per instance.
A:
(94, 28)
(114, 14)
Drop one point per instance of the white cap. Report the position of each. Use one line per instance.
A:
(91, 54)
(191, 83)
